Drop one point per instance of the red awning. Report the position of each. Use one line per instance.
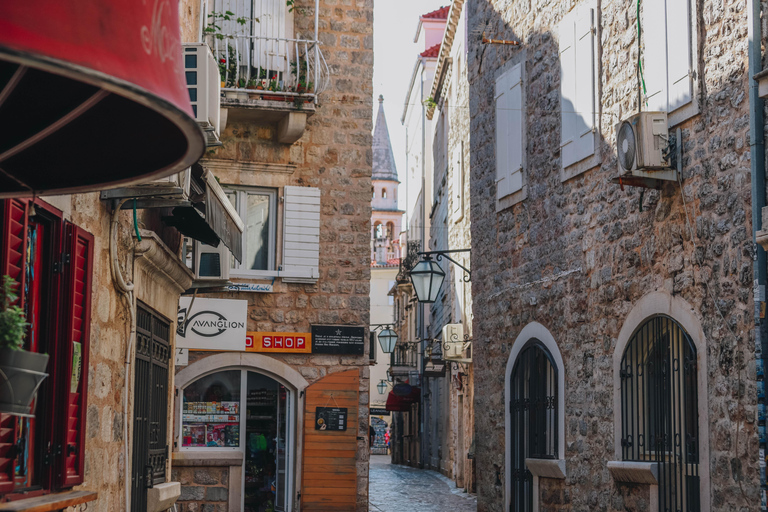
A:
(92, 95)
(402, 403)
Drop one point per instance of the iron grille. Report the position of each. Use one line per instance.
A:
(659, 409)
(403, 356)
(533, 411)
(150, 451)
(408, 261)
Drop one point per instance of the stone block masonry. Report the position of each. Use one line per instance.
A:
(577, 256)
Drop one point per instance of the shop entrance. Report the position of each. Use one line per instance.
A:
(265, 435)
(251, 413)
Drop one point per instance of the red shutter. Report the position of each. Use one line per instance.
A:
(13, 226)
(76, 316)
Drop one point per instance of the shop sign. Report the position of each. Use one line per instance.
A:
(331, 418)
(434, 369)
(251, 287)
(293, 342)
(338, 339)
(379, 411)
(211, 324)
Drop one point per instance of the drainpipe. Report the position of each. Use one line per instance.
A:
(422, 323)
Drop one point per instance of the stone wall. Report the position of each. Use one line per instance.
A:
(577, 255)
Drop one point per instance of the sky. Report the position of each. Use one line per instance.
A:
(394, 55)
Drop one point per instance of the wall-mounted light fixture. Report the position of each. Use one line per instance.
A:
(387, 337)
(382, 386)
(427, 276)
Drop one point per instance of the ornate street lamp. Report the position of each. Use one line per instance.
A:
(381, 386)
(387, 339)
(427, 277)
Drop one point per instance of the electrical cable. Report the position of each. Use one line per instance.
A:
(639, 60)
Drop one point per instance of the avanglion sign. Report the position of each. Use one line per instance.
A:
(212, 324)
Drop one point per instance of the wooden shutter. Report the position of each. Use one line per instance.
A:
(457, 182)
(301, 234)
(679, 74)
(76, 312)
(509, 132)
(654, 38)
(329, 479)
(568, 99)
(13, 225)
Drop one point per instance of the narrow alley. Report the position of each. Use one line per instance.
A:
(396, 488)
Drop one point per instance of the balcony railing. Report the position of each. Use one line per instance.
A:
(251, 40)
(403, 356)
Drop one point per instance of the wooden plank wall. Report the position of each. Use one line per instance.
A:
(329, 480)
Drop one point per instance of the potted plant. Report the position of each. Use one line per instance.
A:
(21, 372)
(273, 86)
(252, 86)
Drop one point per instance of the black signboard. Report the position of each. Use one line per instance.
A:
(379, 411)
(434, 369)
(338, 339)
(331, 418)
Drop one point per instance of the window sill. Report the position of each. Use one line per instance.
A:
(50, 502)
(512, 199)
(546, 468)
(634, 472)
(580, 167)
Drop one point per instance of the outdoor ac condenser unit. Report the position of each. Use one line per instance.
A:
(453, 341)
(204, 84)
(641, 141)
(210, 263)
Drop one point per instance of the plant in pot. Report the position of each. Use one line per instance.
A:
(273, 86)
(252, 86)
(21, 372)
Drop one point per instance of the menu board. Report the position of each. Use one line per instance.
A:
(331, 418)
(338, 339)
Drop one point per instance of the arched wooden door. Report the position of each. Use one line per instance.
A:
(329, 479)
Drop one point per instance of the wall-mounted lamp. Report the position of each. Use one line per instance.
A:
(387, 337)
(427, 276)
(382, 386)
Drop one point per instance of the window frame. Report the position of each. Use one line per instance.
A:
(573, 169)
(241, 192)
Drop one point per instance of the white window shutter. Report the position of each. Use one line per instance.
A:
(457, 181)
(584, 141)
(502, 131)
(654, 37)
(301, 234)
(515, 143)
(678, 53)
(567, 90)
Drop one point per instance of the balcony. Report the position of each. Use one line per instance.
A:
(267, 74)
(403, 360)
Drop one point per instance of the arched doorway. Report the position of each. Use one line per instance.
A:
(659, 409)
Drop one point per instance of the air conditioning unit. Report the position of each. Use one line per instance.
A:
(204, 84)
(453, 341)
(641, 143)
(210, 263)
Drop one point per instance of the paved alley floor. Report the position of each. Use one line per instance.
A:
(395, 488)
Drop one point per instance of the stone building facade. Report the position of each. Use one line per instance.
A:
(571, 266)
(331, 158)
(449, 399)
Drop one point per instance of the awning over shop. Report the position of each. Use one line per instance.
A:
(92, 96)
(402, 403)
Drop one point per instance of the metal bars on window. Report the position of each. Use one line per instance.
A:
(150, 424)
(533, 412)
(659, 409)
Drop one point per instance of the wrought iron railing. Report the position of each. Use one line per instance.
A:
(251, 40)
(403, 355)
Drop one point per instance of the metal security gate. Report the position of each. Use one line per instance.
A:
(533, 411)
(659, 410)
(150, 424)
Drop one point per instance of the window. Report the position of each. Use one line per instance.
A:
(533, 410)
(509, 132)
(378, 230)
(245, 412)
(457, 182)
(390, 230)
(668, 57)
(52, 261)
(659, 409)
(578, 76)
(258, 209)
(383, 193)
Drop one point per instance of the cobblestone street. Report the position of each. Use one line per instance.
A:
(395, 488)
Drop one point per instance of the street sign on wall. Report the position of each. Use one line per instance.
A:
(338, 339)
(293, 342)
(211, 324)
